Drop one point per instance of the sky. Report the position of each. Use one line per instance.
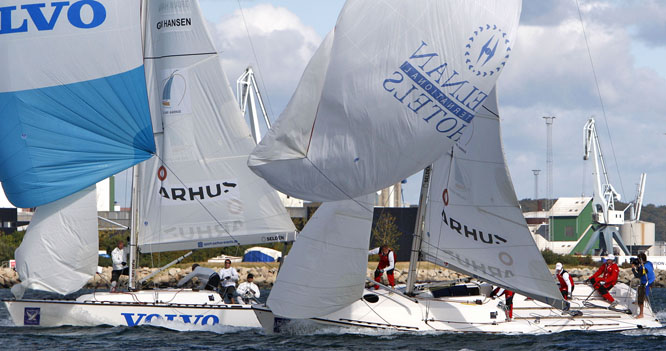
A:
(550, 73)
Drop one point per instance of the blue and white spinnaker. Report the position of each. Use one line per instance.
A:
(73, 96)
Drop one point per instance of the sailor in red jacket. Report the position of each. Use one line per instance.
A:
(605, 278)
(508, 298)
(566, 281)
(386, 264)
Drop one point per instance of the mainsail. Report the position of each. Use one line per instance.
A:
(198, 192)
(326, 267)
(394, 85)
(72, 96)
(59, 250)
(473, 222)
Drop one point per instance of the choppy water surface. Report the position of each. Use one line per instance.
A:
(227, 338)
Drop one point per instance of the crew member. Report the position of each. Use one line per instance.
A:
(508, 300)
(566, 281)
(248, 291)
(208, 278)
(605, 278)
(644, 270)
(119, 261)
(386, 264)
(229, 277)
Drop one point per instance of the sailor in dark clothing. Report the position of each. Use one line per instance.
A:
(208, 278)
(508, 298)
(642, 269)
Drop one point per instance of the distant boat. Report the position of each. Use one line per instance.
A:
(469, 218)
(193, 189)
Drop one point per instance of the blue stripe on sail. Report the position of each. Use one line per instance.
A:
(58, 140)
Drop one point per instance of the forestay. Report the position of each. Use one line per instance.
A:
(72, 96)
(59, 250)
(473, 222)
(325, 269)
(396, 83)
(199, 192)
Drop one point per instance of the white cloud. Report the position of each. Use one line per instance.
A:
(550, 74)
(282, 43)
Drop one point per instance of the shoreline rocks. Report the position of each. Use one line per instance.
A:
(265, 274)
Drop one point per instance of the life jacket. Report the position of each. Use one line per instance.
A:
(563, 283)
(608, 274)
(384, 259)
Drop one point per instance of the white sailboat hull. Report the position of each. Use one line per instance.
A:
(478, 313)
(172, 307)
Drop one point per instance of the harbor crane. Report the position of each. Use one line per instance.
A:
(246, 90)
(606, 219)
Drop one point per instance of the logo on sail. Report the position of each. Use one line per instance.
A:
(199, 192)
(436, 91)
(214, 190)
(487, 50)
(273, 238)
(84, 14)
(470, 232)
(175, 95)
(174, 23)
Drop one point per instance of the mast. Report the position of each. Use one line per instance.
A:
(418, 231)
(133, 239)
(134, 215)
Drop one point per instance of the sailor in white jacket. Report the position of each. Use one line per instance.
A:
(248, 291)
(228, 279)
(119, 260)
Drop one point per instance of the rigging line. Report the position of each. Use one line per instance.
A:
(601, 101)
(376, 313)
(491, 111)
(199, 201)
(254, 53)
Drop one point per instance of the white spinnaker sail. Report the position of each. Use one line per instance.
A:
(59, 250)
(326, 268)
(473, 222)
(401, 82)
(199, 192)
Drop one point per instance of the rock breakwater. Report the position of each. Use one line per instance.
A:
(265, 274)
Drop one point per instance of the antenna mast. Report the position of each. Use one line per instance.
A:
(549, 173)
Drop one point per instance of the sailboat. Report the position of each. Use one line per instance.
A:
(193, 190)
(469, 219)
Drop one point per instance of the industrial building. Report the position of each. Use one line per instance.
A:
(568, 227)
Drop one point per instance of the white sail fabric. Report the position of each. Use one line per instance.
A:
(473, 222)
(396, 83)
(326, 268)
(60, 248)
(199, 192)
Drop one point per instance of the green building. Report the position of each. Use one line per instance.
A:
(565, 229)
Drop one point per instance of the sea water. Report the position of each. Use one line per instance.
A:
(310, 338)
